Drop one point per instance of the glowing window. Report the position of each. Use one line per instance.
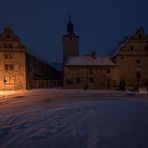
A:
(8, 80)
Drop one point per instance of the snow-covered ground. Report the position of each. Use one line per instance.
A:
(58, 118)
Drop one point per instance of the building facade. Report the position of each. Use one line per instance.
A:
(19, 68)
(89, 72)
(126, 68)
(131, 59)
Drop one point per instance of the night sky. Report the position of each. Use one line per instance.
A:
(101, 24)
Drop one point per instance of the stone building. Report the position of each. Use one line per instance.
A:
(126, 68)
(89, 72)
(131, 59)
(19, 68)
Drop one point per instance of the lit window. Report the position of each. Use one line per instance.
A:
(9, 67)
(8, 80)
(8, 56)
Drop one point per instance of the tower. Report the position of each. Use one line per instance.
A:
(70, 41)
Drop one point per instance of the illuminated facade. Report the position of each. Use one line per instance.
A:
(19, 68)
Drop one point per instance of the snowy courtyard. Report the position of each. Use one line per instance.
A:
(58, 118)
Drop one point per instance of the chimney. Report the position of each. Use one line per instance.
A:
(93, 55)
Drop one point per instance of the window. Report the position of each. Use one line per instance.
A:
(8, 56)
(91, 80)
(7, 36)
(140, 36)
(10, 46)
(5, 46)
(91, 71)
(8, 80)
(132, 47)
(146, 48)
(108, 83)
(108, 70)
(78, 80)
(9, 67)
(138, 61)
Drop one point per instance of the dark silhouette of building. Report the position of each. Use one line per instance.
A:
(70, 42)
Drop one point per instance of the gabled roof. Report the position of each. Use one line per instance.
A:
(126, 40)
(88, 61)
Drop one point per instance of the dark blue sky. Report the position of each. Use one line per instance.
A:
(101, 24)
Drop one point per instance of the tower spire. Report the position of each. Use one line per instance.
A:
(69, 18)
(70, 26)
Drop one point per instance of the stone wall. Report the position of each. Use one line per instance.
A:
(132, 61)
(93, 77)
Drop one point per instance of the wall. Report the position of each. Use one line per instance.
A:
(95, 77)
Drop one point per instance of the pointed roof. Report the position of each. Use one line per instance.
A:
(70, 28)
(138, 34)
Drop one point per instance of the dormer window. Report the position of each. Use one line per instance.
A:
(8, 36)
(140, 36)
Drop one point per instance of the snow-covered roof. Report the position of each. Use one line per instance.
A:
(89, 60)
